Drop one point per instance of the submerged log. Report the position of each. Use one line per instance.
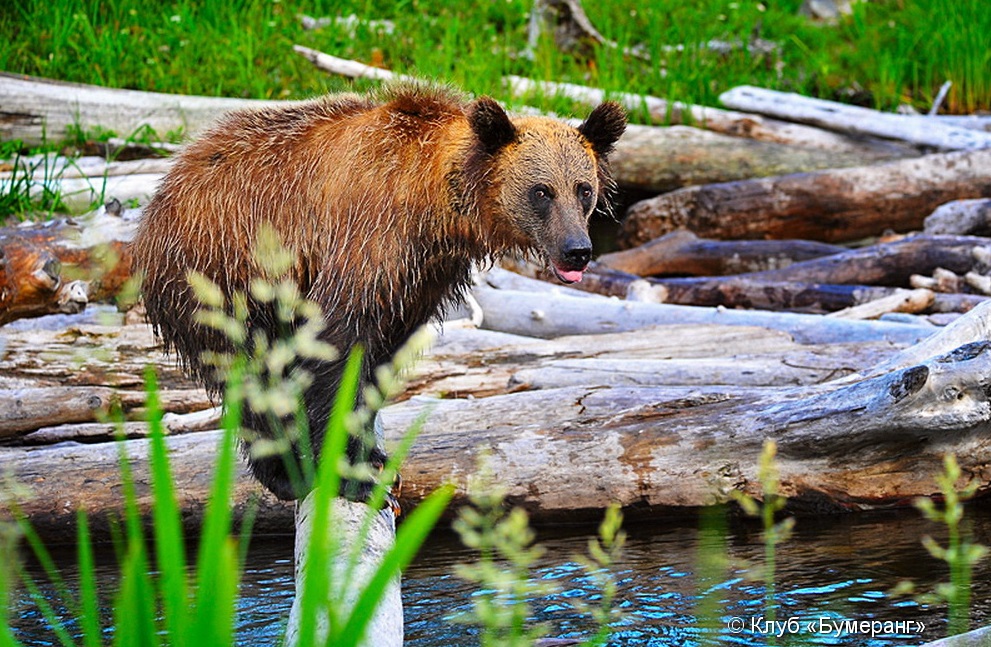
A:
(832, 206)
(361, 538)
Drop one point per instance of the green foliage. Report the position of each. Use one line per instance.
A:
(775, 532)
(507, 554)
(160, 599)
(885, 53)
(960, 553)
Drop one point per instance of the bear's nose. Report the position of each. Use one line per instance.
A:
(576, 253)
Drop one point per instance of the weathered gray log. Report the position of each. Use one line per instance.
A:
(649, 158)
(385, 629)
(553, 315)
(60, 479)
(873, 443)
(481, 363)
(752, 291)
(831, 206)
(28, 409)
(662, 159)
(960, 217)
(683, 253)
(36, 110)
(663, 446)
(86, 355)
(854, 119)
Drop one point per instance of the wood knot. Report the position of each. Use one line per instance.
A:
(912, 379)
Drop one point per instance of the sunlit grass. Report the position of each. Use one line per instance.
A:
(886, 53)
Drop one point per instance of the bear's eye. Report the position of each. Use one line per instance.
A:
(585, 193)
(541, 194)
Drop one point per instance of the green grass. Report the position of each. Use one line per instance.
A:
(888, 52)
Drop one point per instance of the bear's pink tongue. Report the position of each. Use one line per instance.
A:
(571, 276)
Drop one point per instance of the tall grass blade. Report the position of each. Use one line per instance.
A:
(321, 544)
(170, 551)
(216, 582)
(410, 536)
(89, 612)
(135, 618)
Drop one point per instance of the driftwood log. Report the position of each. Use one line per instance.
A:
(36, 110)
(960, 217)
(854, 119)
(831, 206)
(890, 263)
(62, 265)
(633, 420)
(683, 253)
(746, 291)
(662, 159)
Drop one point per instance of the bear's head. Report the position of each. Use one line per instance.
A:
(547, 178)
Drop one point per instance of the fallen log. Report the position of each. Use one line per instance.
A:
(830, 206)
(874, 443)
(891, 263)
(662, 159)
(54, 482)
(548, 315)
(62, 265)
(683, 253)
(28, 409)
(918, 130)
(753, 292)
(37, 111)
(960, 217)
(634, 443)
(653, 159)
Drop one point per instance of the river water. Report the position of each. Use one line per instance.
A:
(833, 578)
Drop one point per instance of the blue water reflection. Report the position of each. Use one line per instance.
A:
(833, 572)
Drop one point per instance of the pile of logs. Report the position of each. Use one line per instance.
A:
(824, 288)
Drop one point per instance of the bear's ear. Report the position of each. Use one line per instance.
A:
(491, 124)
(604, 127)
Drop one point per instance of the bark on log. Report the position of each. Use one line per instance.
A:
(923, 131)
(36, 110)
(62, 265)
(960, 217)
(60, 479)
(656, 159)
(751, 291)
(874, 443)
(683, 253)
(549, 315)
(831, 206)
(847, 444)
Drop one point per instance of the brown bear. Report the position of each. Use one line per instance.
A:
(385, 202)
